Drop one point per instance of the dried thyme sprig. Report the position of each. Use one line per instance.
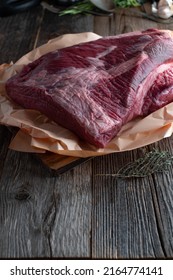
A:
(154, 161)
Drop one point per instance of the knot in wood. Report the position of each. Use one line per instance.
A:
(22, 195)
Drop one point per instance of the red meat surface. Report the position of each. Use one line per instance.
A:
(94, 88)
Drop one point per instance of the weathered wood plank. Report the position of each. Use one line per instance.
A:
(53, 26)
(18, 33)
(5, 137)
(163, 197)
(102, 25)
(40, 215)
(125, 20)
(24, 221)
(132, 218)
(72, 225)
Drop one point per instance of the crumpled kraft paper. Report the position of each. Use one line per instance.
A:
(38, 134)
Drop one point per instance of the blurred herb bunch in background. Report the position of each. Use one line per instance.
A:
(86, 6)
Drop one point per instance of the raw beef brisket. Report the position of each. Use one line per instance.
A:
(94, 88)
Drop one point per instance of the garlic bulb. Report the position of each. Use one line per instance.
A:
(163, 9)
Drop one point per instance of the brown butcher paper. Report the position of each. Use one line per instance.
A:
(38, 134)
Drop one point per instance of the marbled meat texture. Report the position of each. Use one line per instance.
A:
(94, 88)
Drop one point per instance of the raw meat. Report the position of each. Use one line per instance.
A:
(94, 88)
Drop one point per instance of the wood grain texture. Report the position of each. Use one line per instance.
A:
(53, 26)
(24, 221)
(139, 216)
(18, 33)
(81, 213)
(5, 137)
(72, 226)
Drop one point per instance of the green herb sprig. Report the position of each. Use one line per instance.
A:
(86, 6)
(78, 8)
(152, 162)
(126, 3)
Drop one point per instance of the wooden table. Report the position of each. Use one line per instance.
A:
(79, 214)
